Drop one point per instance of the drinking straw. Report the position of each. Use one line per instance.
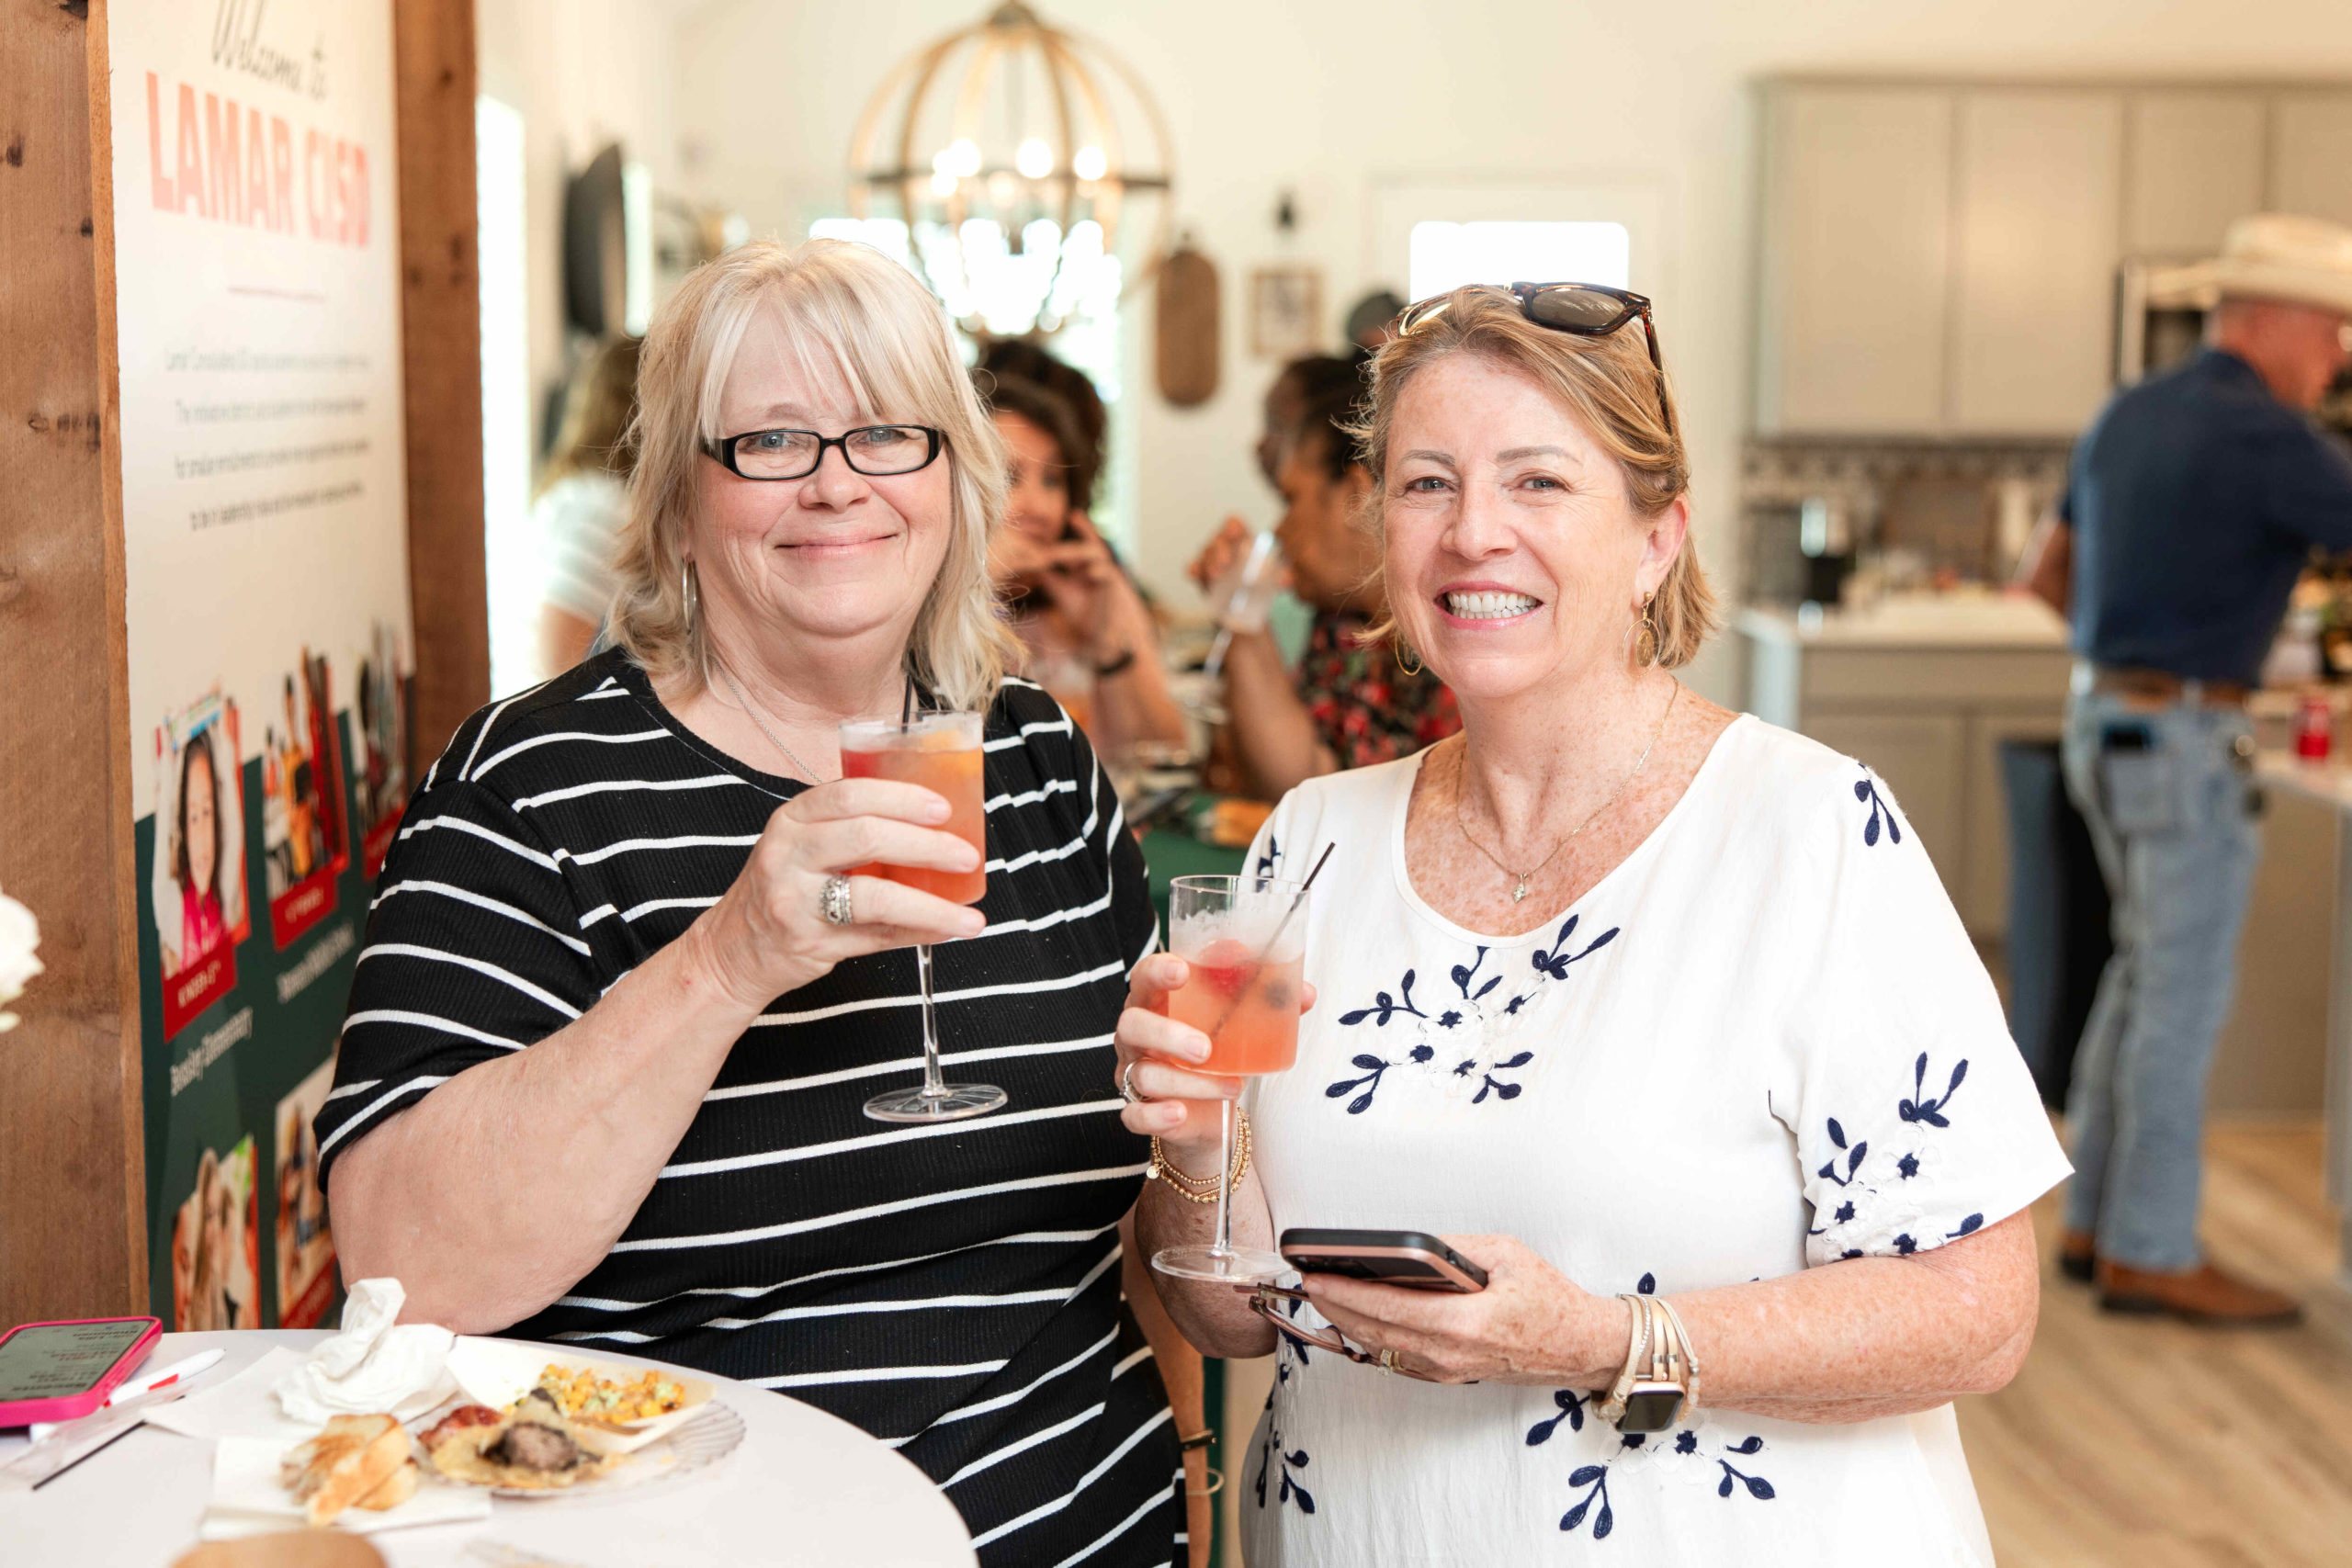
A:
(1280, 926)
(907, 704)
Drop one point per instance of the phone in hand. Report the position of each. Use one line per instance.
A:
(1411, 1259)
(55, 1372)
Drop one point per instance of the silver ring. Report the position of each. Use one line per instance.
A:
(1127, 1083)
(834, 900)
(1388, 1362)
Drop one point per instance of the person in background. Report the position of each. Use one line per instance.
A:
(582, 501)
(1091, 639)
(1373, 322)
(2194, 502)
(1352, 703)
(1025, 361)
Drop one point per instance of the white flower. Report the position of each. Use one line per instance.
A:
(19, 934)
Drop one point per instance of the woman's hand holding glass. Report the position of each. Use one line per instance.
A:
(1530, 1325)
(769, 935)
(1157, 1057)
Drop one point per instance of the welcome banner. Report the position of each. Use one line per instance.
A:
(258, 317)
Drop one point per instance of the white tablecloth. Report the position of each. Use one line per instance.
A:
(806, 1488)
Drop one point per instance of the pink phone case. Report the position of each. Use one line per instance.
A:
(25, 1412)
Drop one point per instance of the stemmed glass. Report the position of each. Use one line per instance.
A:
(1245, 938)
(941, 752)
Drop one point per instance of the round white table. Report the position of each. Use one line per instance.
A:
(805, 1488)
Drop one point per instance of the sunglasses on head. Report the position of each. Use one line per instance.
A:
(1584, 310)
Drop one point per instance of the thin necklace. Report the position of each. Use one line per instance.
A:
(753, 714)
(1519, 892)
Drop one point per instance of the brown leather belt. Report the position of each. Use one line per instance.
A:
(2163, 688)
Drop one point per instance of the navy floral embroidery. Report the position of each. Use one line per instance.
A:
(1590, 1479)
(1758, 1487)
(1461, 1024)
(1849, 1170)
(1275, 1459)
(1922, 1109)
(1866, 790)
(1374, 1069)
(1385, 1007)
(1265, 866)
(1595, 1476)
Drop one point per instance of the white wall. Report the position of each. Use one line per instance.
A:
(583, 72)
(1336, 99)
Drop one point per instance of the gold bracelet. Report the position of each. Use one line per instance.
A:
(1202, 1189)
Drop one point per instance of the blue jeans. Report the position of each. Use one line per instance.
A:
(2172, 816)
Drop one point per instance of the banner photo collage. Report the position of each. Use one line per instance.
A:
(257, 322)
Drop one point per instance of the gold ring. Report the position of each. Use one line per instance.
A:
(1127, 1083)
(1388, 1362)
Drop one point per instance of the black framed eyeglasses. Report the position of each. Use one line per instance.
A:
(876, 451)
(1584, 310)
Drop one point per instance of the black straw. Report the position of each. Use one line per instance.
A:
(907, 705)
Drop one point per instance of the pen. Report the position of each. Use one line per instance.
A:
(131, 1388)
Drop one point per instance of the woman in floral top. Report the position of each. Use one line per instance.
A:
(1350, 703)
(1655, 1013)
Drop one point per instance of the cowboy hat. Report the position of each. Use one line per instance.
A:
(2279, 255)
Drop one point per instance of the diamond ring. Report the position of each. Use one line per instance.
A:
(834, 900)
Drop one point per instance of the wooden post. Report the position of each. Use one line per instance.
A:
(432, 43)
(73, 1166)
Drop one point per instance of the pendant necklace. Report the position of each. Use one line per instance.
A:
(1523, 877)
(753, 714)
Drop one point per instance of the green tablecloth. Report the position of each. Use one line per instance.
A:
(1170, 854)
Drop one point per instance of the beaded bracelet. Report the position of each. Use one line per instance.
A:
(1196, 1188)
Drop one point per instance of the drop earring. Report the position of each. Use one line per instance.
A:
(1645, 642)
(687, 595)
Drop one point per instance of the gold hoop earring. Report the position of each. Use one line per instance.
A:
(1397, 650)
(1645, 638)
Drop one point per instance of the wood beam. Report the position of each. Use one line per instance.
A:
(433, 42)
(72, 1168)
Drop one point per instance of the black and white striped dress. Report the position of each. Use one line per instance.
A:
(952, 1290)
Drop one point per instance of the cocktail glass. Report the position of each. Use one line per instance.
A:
(1245, 938)
(941, 752)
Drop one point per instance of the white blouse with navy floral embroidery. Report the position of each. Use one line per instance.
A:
(1762, 1043)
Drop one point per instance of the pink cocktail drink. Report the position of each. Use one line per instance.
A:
(1247, 1009)
(941, 752)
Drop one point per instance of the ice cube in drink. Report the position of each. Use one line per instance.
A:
(941, 752)
(1247, 1009)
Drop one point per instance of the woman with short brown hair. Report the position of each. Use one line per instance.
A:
(1657, 1013)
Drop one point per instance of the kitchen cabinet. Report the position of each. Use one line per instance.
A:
(1858, 199)
(1924, 693)
(2195, 165)
(1939, 258)
(2311, 155)
(2037, 239)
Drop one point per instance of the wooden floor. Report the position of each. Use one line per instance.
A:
(2153, 1445)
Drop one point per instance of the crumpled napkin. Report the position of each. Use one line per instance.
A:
(373, 1365)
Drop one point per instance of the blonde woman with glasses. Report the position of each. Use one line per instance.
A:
(626, 986)
(1655, 1013)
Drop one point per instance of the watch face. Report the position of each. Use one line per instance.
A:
(1651, 1407)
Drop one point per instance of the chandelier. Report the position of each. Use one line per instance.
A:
(1029, 167)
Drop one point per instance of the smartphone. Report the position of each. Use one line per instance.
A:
(1412, 1259)
(55, 1372)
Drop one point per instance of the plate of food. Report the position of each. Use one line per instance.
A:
(627, 1406)
(535, 1450)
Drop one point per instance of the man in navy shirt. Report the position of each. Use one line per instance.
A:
(2194, 502)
